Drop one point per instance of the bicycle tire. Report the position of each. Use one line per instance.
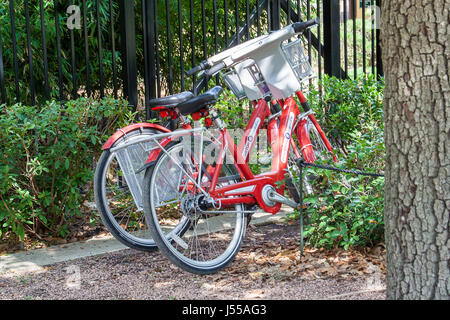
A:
(168, 246)
(135, 239)
(319, 148)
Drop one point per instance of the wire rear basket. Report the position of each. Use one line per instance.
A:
(131, 159)
(298, 60)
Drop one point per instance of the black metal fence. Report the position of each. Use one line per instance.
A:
(138, 50)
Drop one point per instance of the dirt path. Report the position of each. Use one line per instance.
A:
(269, 266)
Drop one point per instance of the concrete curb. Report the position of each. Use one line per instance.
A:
(35, 260)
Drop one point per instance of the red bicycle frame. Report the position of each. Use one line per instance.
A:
(280, 132)
(249, 190)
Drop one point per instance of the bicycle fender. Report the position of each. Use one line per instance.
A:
(121, 132)
(153, 156)
(147, 165)
(155, 153)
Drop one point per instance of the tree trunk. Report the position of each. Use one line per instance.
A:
(416, 53)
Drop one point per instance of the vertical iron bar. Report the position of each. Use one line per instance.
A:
(319, 51)
(205, 53)
(58, 52)
(225, 9)
(100, 51)
(275, 13)
(345, 39)
(237, 21)
(372, 19)
(258, 19)
(74, 70)
(149, 53)
(2, 73)
(113, 48)
(308, 17)
(364, 34)
(30, 53)
(145, 29)
(44, 51)
(355, 60)
(379, 60)
(128, 38)
(216, 45)
(332, 44)
(86, 50)
(247, 19)
(14, 43)
(192, 40)
(158, 68)
(288, 19)
(180, 35)
(169, 47)
(278, 5)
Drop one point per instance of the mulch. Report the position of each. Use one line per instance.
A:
(269, 266)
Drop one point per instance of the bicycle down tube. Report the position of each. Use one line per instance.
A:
(249, 190)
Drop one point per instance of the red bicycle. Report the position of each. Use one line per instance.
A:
(198, 189)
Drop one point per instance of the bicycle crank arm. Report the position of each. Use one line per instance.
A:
(274, 196)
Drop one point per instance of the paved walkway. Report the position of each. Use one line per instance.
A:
(35, 260)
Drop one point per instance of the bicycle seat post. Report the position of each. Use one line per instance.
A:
(216, 118)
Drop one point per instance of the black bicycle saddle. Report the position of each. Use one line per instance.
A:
(196, 104)
(171, 101)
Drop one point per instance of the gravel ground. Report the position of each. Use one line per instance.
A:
(268, 267)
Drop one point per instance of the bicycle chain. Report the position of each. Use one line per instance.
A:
(303, 164)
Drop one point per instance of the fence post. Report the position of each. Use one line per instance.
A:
(379, 64)
(332, 49)
(275, 19)
(149, 54)
(128, 47)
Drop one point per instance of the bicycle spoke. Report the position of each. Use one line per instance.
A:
(208, 240)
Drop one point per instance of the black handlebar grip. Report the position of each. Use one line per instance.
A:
(302, 26)
(202, 66)
(215, 69)
(194, 70)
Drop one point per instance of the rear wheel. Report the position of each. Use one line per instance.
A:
(118, 191)
(171, 195)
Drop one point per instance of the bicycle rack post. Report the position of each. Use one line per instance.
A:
(301, 209)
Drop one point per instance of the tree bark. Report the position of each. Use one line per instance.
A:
(416, 53)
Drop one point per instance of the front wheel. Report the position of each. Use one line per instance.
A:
(321, 152)
(171, 195)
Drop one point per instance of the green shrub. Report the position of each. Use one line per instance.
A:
(347, 210)
(48, 155)
(347, 106)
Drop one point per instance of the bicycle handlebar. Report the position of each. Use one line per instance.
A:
(299, 27)
(215, 69)
(202, 66)
(211, 67)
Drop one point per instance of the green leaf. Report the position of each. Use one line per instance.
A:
(20, 232)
